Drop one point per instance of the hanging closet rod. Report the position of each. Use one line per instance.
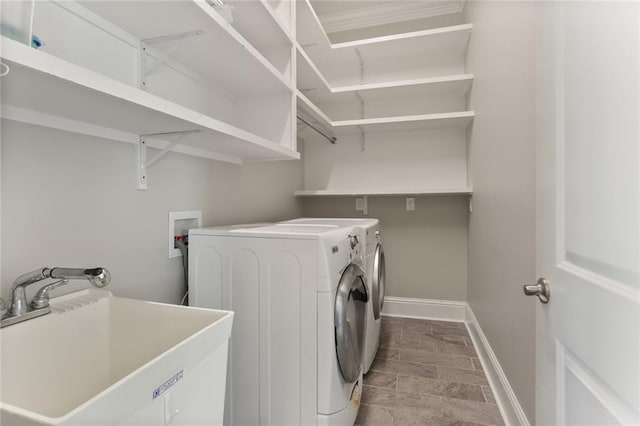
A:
(331, 139)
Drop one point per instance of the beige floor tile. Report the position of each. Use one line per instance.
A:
(477, 364)
(400, 400)
(436, 358)
(426, 373)
(369, 415)
(437, 387)
(380, 379)
(422, 345)
(427, 336)
(451, 331)
(460, 375)
(472, 411)
(386, 353)
(424, 418)
(407, 368)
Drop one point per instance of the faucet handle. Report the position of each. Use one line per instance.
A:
(4, 311)
(41, 298)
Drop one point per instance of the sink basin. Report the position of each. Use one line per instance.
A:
(103, 360)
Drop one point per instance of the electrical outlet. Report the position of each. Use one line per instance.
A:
(411, 204)
(359, 204)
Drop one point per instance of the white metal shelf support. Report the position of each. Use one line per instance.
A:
(145, 44)
(143, 165)
(362, 112)
(361, 61)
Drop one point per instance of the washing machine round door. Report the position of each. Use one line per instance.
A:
(350, 311)
(377, 282)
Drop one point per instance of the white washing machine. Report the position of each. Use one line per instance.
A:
(375, 268)
(299, 297)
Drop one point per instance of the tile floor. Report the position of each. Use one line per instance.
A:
(426, 373)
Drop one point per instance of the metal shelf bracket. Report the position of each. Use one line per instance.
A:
(144, 164)
(146, 68)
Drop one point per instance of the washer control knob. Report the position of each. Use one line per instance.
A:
(353, 241)
(378, 234)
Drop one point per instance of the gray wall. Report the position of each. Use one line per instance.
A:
(425, 250)
(502, 226)
(71, 200)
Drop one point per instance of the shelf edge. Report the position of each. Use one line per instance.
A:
(403, 83)
(358, 193)
(402, 36)
(404, 119)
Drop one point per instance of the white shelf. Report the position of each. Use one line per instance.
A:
(309, 76)
(308, 27)
(403, 56)
(315, 87)
(404, 123)
(317, 97)
(455, 36)
(307, 107)
(283, 12)
(43, 83)
(315, 91)
(398, 83)
(402, 192)
(453, 85)
(255, 20)
(385, 124)
(220, 52)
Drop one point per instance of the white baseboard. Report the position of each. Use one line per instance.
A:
(443, 310)
(447, 310)
(508, 403)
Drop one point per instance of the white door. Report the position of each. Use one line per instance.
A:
(588, 357)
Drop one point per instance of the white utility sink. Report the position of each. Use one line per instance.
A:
(103, 360)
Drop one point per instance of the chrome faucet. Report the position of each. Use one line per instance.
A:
(20, 310)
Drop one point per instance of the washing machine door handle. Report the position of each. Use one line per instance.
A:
(378, 282)
(359, 293)
(349, 321)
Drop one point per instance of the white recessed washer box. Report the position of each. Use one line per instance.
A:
(179, 224)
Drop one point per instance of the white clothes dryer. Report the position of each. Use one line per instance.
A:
(299, 297)
(374, 263)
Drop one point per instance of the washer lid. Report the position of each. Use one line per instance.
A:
(377, 282)
(349, 317)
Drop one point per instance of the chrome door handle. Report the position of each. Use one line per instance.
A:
(540, 289)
